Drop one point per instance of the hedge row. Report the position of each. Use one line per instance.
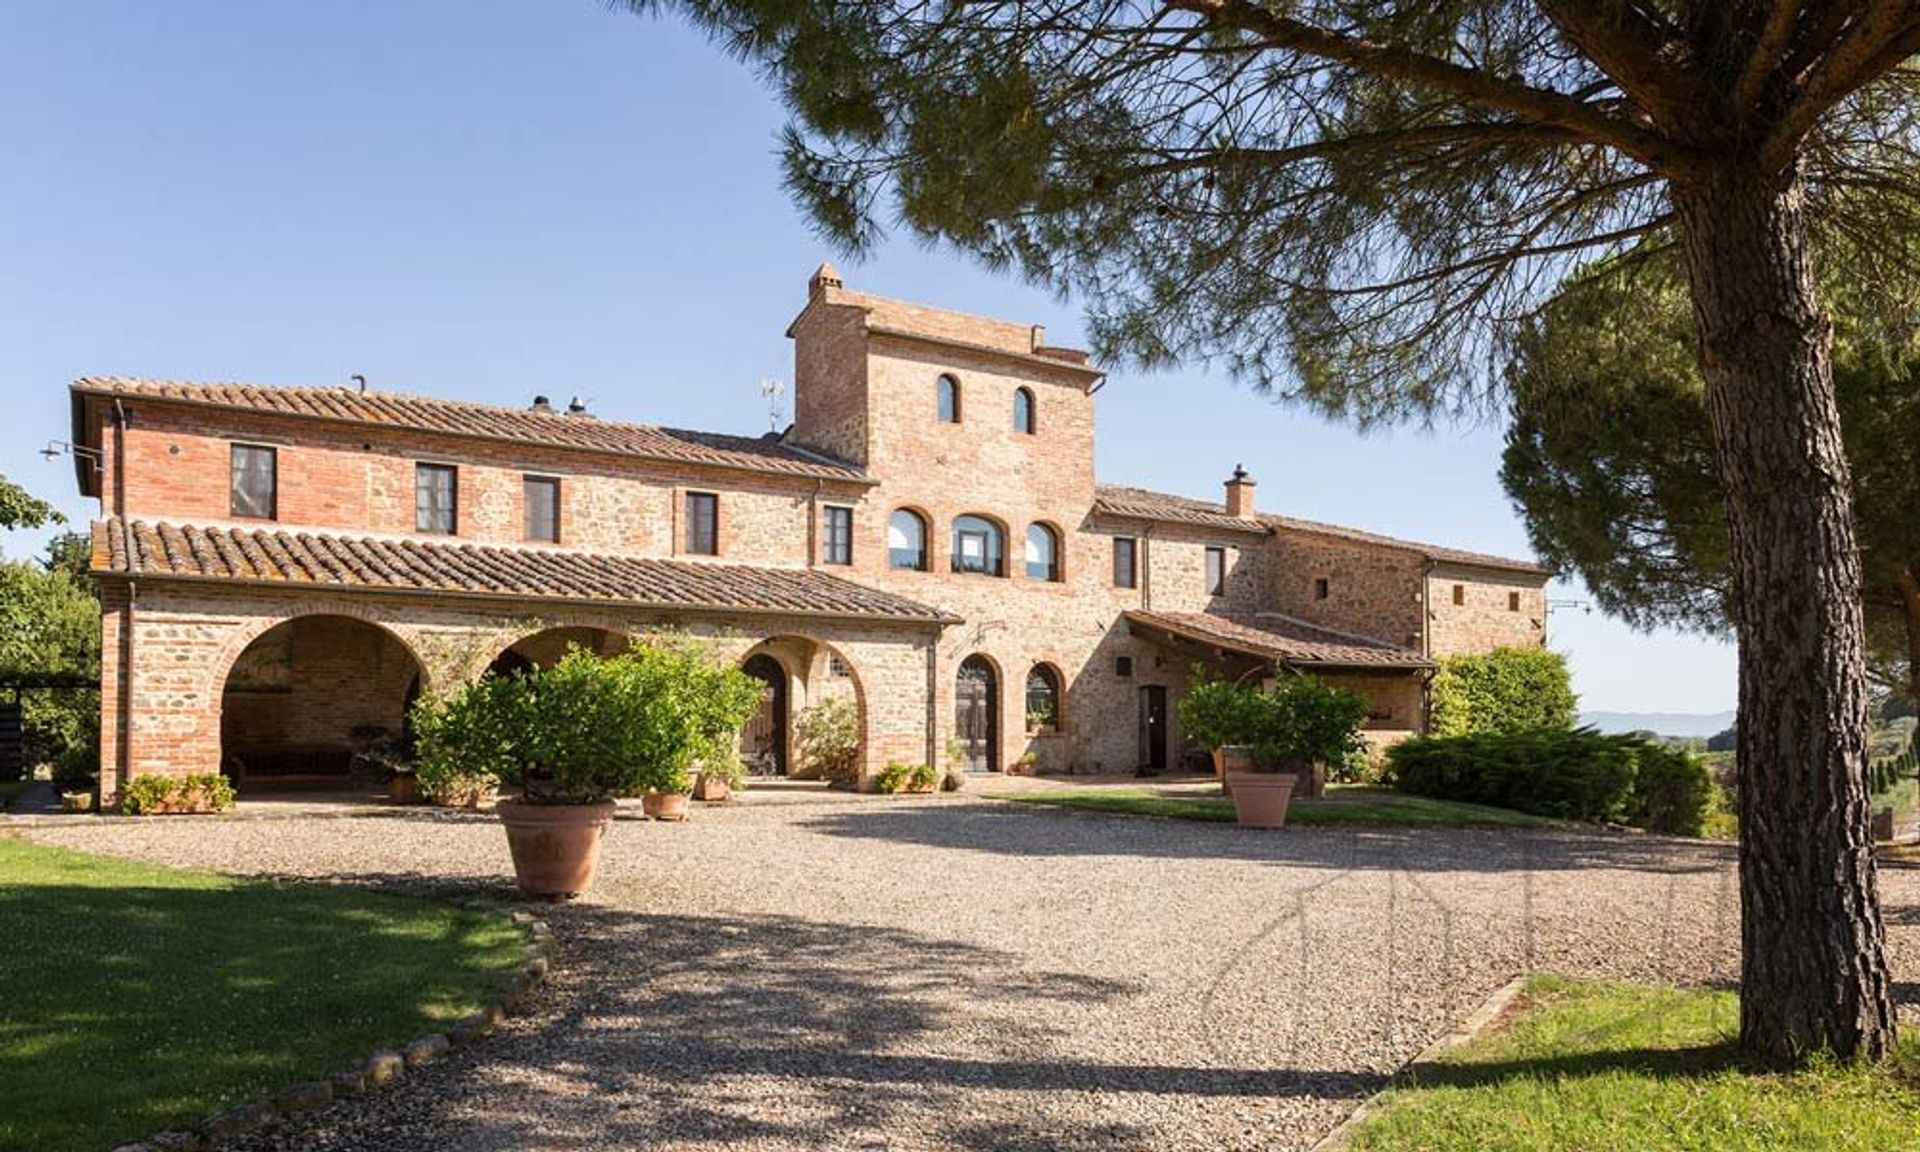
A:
(1574, 774)
(1884, 773)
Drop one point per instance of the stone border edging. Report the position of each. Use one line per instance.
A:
(381, 1069)
(1489, 1011)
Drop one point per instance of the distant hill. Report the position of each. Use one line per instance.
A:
(1702, 724)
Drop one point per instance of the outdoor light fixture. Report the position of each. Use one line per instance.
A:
(58, 448)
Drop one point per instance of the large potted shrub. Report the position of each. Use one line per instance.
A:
(828, 738)
(573, 737)
(1305, 726)
(1226, 718)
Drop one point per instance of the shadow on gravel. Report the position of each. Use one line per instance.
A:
(1031, 831)
(780, 1032)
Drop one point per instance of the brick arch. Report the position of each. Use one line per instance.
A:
(1059, 551)
(522, 632)
(929, 528)
(220, 667)
(824, 651)
(1008, 544)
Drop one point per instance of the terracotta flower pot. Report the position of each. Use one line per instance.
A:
(1229, 759)
(711, 789)
(404, 788)
(664, 805)
(1260, 799)
(555, 846)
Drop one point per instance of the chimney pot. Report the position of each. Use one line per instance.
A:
(1240, 494)
(824, 277)
(542, 404)
(576, 408)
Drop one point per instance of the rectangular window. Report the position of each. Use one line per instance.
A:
(1126, 556)
(836, 542)
(702, 536)
(541, 494)
(436, 498)
(254, 491)
(1216, 571)
(1459, 593)
(1123, 666)
(1321, 589)
(1513, 601)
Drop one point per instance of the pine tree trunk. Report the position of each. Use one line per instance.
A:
(1813, 959)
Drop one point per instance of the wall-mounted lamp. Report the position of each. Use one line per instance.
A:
(58, 448)
(1585, 607)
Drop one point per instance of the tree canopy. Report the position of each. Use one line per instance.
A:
(1609, 456)
(21, 509)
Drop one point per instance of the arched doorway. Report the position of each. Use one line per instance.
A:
(763, 742)
(976, 714)
(316, 701)
(543, 648)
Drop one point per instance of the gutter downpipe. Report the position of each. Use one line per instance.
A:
(124, 755)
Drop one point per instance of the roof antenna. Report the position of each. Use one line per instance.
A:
(772, 391)
(361, 381)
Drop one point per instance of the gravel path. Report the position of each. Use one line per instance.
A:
(956, 973)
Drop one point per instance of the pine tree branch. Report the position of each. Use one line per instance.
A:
(1878, 39)
(1628, 45)
(1769, 53)
(1511, 96)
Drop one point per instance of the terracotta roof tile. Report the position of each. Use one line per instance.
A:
(1286, 639)
(766, 454)
(1143, 504)
(276, 556)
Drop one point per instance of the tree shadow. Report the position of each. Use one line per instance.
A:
(1701, 1061)
(1037, 831)
(682, 1031)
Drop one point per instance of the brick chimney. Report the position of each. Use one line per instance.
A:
(1240, 494)
(824, 277)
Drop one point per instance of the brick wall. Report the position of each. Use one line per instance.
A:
(1371, 591)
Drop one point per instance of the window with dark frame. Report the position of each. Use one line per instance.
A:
(1126, 558)
(1321, 588)
(1459, 593)
(979, 546)
(255, 486)
(1513, 601)
(949, 401)
(1043, 699)
(541, 495)
(436, 498)
(1023, 411)
(1043, 553)
(1216, 571)
(1123, 666)
(702, 534)
(836, 537)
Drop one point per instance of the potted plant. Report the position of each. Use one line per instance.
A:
(1227, 719)
(666, 798)
(1026, 764)
(575, 736)
(1308, 724)
(827, 736)
(720, 777)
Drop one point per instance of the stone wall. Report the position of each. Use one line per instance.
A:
(1472, 610)
(1371, 590)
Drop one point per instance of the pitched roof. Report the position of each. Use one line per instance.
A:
(765, 454)
(1143, 504)
(1283, 639)
(273, 556)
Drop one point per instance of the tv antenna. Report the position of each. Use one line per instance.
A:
(774, 393)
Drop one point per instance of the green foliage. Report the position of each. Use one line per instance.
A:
(50, 626)
(1300, 721)
(1609, 453)
(1605, 1067)
(160, 795)
(21, 509)
(828, 739)
(208, 991)
(1505, 690)
(588, 728)
(1575, 774)
(896, 777)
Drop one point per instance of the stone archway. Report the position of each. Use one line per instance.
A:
(813, 671)
(540, 649)
(976, 713)
(314, 701)
(763, 743)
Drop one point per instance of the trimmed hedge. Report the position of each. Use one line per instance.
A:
(1576, 774)
(1505, 690)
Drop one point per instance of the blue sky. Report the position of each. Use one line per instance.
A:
(491, 199)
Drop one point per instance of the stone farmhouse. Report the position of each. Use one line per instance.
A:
(285, 569)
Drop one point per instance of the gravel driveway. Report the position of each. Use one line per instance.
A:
(957, 973)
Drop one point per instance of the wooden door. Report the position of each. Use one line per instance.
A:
(763, 742)
(976, 714)
(1153, 729)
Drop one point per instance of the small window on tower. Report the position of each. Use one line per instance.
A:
(1321, 590)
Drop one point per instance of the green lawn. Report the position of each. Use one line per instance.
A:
(1343, 805)
(1600, 1067)
(136, 998)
